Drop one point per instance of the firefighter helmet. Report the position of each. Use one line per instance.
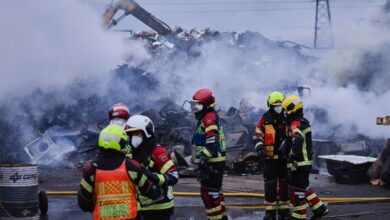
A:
(140, 123)
(275, 98)
(291, 104)
(204, 96)
(119, 110)
(113, 137)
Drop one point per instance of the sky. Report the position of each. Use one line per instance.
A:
(276, 19)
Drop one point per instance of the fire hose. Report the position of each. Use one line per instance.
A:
(251, 195)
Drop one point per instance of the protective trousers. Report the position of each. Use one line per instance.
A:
(303, 196)
(212, 195)
(276, 189)
(153, 215)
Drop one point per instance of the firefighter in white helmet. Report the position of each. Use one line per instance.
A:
(158, 167)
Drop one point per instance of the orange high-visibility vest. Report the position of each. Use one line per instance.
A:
(115, 195)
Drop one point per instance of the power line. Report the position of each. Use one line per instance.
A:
(283, 28)
(254, 2)
(256, 9)
(222, 3)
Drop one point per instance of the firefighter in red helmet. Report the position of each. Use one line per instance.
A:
(210, 154)
(118, 114)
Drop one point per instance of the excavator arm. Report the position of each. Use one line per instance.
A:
(131, 7)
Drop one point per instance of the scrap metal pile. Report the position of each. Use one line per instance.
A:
(174, 128)
(189, 41)
(48, 132)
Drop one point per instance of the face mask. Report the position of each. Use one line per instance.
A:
(278, 109)
(198, 107)
(136, 141)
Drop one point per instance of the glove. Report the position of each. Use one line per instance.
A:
(151, 176)
(203, 163)
(204, 171)
(261, 152)
(292, 159)
(282, 152)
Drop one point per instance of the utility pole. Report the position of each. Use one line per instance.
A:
(323, 38)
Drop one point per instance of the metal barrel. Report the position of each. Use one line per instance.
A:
(19, 191)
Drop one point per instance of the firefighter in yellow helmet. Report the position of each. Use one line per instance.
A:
(108, 186)
(299, 156)
(269, 135)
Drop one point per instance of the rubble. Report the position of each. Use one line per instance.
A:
(245, 163)
(354, 147)
(39, 147)
(348, 169)
(174, 129)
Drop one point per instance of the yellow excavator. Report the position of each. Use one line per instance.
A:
(131, 7)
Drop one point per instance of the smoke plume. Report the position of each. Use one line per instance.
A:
(60, 68)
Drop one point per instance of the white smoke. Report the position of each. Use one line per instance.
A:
(350, 111)
(232, 72)
(49, 44)
(353, 80)
(349, 82)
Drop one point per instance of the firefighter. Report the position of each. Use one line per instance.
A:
(159, 168)
(269, 135)
(108, 186)
(299, 161)
(210, 154)
(118, 114)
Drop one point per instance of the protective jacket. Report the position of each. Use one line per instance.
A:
(270, 133)
(108, 186)
(209, 140)
(161, 171)
(300, 151)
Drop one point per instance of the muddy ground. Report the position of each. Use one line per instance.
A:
(65, 207)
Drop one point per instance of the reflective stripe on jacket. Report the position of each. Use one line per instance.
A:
(301, 151)
(271, 132)
(209, 131)
(161, 163)
(115, 195)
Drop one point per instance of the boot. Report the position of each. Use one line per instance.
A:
(270, 215)
(320, 213)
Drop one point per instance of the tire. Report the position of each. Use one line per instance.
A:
(43, 202)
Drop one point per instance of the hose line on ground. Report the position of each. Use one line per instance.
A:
(253, 195)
